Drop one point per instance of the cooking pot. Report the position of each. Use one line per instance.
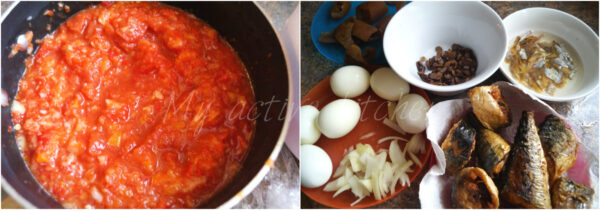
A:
(242, 24)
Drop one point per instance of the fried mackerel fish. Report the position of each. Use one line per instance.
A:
(458, 146)
(473, 188)
(560, 146)
(492, 151)
(525, 175)
(568, 194)
(489, 107)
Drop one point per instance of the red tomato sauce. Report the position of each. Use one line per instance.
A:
(134, 105)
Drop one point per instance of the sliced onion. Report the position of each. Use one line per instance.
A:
(383, 150)
(396, 154)
(335, 185)
(357, 201)
(415, 158)
(416, 145)
(367, 135)
(391, 110)
(393, 125)
(366, 173)
(17, 107)
(341, 190)
(391, 138)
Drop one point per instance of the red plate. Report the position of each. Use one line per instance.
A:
(373, 111)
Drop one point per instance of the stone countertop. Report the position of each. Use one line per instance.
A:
(582, 113)
(280, 187)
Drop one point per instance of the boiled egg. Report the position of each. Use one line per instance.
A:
(388, 85)
(338, 118)
(315, 166)
(411, 113)
(349, 81)
(309, 132)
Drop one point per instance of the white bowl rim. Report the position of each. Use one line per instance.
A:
(508, 75)
(462, 86)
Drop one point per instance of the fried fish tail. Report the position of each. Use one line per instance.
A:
(568, 194)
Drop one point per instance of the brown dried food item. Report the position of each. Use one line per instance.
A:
(369, 54)
(355, 56)
(458, 146)
(542, 64)
(473, 188)
(327, 37)
(382, 25)
(343, 33)
(525, 175)
(560, 145)
(371, 11)
(489, 107)
(492, 151)
(364, 31)
(451, 67)
(568, 194)
(339, 9)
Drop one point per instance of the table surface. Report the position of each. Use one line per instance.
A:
(280, 187)
(581, 113)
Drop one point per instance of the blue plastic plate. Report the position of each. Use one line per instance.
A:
(322, 22)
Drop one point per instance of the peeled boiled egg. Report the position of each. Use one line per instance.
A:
(309, 132)
(338, 118)
(349, 81)
(315, 166)
(411, 113)
(388, 85)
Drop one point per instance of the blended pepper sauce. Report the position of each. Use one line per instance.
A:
(134, 105)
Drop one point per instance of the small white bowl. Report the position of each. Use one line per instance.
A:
(420, 26)
(570, 29)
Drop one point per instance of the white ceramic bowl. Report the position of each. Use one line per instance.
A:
(570, 29)
(419, 27)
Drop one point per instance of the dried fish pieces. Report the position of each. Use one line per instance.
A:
(540, 65)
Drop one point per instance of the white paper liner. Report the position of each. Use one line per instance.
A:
(435, 188)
